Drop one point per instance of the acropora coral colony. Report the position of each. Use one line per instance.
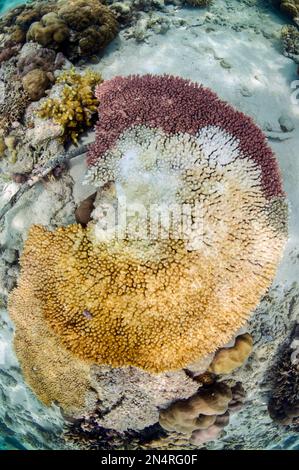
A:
(76, 106)
(157, 304)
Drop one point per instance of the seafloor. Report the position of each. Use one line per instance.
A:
(235, 49)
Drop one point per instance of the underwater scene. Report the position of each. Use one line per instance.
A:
(149, 225)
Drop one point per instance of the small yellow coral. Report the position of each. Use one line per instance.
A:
(77, 106)
(227, 360)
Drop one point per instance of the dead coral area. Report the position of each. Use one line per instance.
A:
(185, 424)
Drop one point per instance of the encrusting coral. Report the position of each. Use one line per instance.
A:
(226, 360)
(160, 303)
(77, 105)
(202, 417)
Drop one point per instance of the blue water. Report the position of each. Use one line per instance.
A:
(6, 4)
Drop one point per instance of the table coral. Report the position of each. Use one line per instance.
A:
(74, 110)
(47, 373)
(161, 303)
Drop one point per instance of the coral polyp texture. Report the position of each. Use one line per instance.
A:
(162, 299)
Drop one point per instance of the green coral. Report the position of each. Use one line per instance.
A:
(74, 110)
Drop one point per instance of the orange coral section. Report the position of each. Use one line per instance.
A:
(110, 307)
(53, 373)
(227, 360)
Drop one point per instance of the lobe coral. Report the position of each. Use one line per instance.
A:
(161, 302)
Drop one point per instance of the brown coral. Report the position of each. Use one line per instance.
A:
(283, 404)
(84, 210)
(227, 360)
(50, 31)
(198, 412)
(77, 27)
(35, 83)
(290, 7)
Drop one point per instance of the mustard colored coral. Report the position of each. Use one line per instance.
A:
(52, 372)
(226, 360)
(74, 110)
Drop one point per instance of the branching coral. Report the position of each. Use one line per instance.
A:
(74, 110)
